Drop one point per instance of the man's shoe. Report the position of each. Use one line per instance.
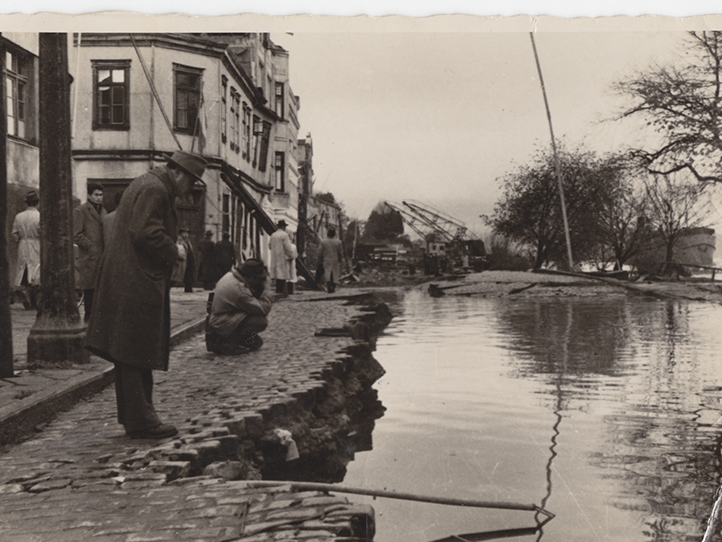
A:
(255, 343)
(161, 431)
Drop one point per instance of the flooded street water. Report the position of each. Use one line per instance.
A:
(604, 411)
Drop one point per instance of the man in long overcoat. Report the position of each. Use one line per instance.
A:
(225, 256)
(283, 257)
(207, 262)
(88, 235)
(331, 256)
(130, 322)
(26, 233)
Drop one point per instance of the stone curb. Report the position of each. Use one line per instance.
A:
(22, 418)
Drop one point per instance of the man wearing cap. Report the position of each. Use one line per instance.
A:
(88, 235)
(26, 233)
(241, 301)
(283, 257)
(130, 322)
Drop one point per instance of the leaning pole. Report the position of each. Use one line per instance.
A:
(58, 332)
(556, 155)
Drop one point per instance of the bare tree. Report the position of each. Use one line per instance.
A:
(682, 103)
(621, 219)
(675, 206)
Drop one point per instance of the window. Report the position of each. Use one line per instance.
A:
(246, 132)
(265, 137)
(237, 122)
(234, 126)
(279, 99)
(187, 97)
(280, 167)
(257, 133)
(224, 92)
(111, 93)
(18, 74)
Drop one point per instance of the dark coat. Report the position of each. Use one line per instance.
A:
(88, 235)
(130, 321)
(225, 257)
(207, 263)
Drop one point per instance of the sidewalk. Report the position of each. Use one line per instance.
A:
(32, 397)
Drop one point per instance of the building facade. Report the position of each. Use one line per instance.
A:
(20, 52)
(136, 98)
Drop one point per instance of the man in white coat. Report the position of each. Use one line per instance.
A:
(283, 258)
(26, 233)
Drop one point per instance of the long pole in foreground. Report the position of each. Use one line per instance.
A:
(556, 156)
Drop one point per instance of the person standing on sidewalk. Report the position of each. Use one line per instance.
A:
(88, 235)
(130, 322)
(26, 233)
(109, 219)
(241, 301)
(331, 256)
(207, 264)
(189, 275)
(283, 257)
(225, 255)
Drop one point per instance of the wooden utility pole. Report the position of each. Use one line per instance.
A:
(58, 333)
(556, 156)
(6, 330)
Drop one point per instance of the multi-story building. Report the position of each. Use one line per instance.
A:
(138, 97)
(20, 81)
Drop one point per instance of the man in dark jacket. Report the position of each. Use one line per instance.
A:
(225, 256)
(130, 322)
(88, 235)
(207, 262)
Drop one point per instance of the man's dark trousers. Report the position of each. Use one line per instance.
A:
(244, 337)
(134, 396)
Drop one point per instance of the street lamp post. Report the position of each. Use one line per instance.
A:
(58, 332)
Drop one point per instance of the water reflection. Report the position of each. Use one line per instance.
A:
(638, 360)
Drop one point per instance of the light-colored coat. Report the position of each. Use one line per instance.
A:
(130, 322)
(283, 256)
(88, 235)
(331, 254)
(233, 301)
(26, 232)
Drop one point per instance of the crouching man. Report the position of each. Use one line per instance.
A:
(241, 301)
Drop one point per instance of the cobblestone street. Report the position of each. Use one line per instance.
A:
(81, 478)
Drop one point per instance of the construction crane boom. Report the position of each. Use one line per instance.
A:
(451, 228)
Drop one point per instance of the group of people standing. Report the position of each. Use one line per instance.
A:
(216, 259)
(126, 262)
(284, 254)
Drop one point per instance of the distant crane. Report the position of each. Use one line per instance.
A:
(447, 238)
(451, 228)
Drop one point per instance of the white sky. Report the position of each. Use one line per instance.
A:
(440, 118)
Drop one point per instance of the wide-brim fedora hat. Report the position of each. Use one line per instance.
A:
(282, 223)
(191, 163)
(32, 195)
